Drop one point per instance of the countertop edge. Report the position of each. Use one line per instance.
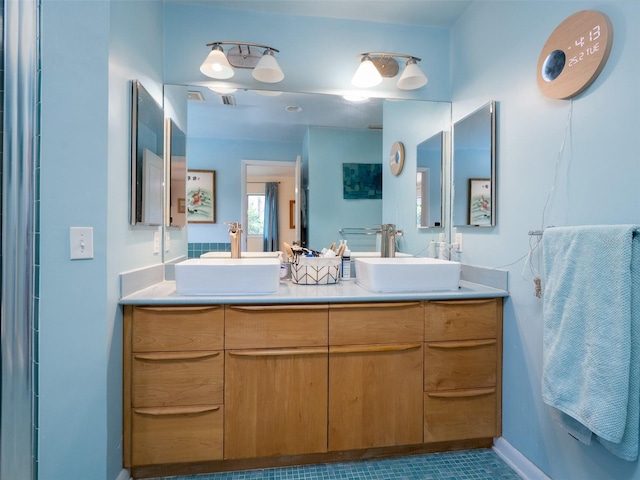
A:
(164, 293)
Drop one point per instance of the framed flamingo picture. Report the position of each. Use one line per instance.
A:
(201, 196)
(480, 201)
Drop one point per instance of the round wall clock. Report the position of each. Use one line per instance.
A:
(396, 158)
(575, 54)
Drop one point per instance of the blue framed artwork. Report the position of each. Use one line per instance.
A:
(362, 181)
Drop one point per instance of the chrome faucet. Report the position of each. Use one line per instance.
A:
(235, 232)
(388, 240)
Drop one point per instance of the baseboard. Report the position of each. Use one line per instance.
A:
(517, 461)
(124, 475)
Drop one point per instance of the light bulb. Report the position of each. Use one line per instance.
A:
(412, 77)
(367, 74)
(267, 69)
(216, 64)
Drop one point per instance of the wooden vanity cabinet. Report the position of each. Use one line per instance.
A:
(462, 369)
(276, 380)
(375, 375)
(173, 384)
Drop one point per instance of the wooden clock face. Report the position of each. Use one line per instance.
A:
(575, 54)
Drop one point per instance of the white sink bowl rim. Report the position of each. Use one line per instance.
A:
(407, 274)
(227, 276)
(243, 255)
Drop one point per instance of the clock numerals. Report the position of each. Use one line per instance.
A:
(594, 33)
(580, 42)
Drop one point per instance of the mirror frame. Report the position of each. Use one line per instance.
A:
(442, 137)
(152, 118)
(175, 148)
(491, 108)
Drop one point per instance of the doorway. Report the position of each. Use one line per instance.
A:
(255, 175)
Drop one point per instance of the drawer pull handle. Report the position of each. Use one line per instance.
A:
(175, 355)
(349, 306)
(462, 394)
(267, 308)
(461, 344)
(373, 348)
(163, 309)
(163, 411)
(463, 302)
(277, 352)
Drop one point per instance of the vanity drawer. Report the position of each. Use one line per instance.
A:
(169, 328)
(460, 415)
(273, 326)
(176, 434)
(461, 319)
(177, 378)
(460, 364)
(376, 323)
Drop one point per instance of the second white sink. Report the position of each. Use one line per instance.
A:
(227, 276)
(407, 274)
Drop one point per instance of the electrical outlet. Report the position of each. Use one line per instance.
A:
(156, 242)
(167, 241)
(81, 243)
(459, 242)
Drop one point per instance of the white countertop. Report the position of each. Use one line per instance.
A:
(164, 293)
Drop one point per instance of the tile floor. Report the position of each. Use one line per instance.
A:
(481, 464)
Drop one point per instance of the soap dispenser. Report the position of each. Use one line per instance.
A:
(346, 262)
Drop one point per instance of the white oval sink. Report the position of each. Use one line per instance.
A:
(407, 274)
(227, 276)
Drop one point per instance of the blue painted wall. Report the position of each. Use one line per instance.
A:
(329, 148)
(90, 51)
(495, 49)
(318, 55)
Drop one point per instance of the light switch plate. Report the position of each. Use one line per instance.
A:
(81, 243)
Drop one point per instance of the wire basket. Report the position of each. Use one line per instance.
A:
(315, 270)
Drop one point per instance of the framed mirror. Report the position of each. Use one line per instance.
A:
(177, 169)
(474, 168)
(429, 192)
(147, 158)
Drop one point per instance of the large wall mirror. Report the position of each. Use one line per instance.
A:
(474, 168)
(327, 132)
(429, 177)
(147, 158)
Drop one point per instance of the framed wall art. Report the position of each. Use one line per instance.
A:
(480, 201)
(201, 196)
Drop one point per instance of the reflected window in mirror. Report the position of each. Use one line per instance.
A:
(177, 176)
(429, 182)
(474, 168)
(147, 158)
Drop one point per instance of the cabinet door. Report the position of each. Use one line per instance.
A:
(375, 396)
(275, 402)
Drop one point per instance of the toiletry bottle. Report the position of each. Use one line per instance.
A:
(346, 262)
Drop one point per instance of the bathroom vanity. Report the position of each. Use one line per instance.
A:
(331, 373)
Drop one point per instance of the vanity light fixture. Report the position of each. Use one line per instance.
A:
(375, 66)
(242, 55)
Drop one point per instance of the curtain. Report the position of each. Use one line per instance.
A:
(270, 241)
